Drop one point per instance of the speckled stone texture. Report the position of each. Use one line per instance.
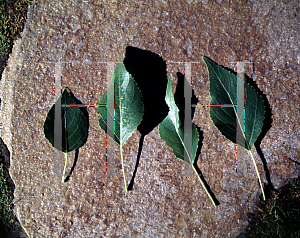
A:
(162, 203)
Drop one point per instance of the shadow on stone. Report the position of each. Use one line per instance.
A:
(150, 73)
(199, 171)
(130, 186)
(180, 102)
(73, 166)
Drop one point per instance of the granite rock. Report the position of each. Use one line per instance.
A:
(85, 35)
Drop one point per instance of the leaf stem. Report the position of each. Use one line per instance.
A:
(191, 163)
(124, 176)
(63, 177)
(203, 185)
(262, 189)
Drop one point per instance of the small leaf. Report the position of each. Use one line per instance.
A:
(223, 90)
(129, 109)
(128, 112)
(171, 130)
(74, 125)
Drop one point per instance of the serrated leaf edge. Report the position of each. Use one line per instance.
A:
(237, 78)
(177, 120)
(120, 105)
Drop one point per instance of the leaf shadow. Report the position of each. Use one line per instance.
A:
(130, 186)
(266, 127)
(269, 187)
(67, 178)
(86, 115)
(149, 71)
(200, 143)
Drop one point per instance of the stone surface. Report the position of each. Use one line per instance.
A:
(162, 203)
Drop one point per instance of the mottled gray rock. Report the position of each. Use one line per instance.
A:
(162, 203)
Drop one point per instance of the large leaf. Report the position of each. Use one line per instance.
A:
(171, 130)
(223, 90)
(74, 125)
(129, 109)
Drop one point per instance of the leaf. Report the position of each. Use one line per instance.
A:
(128, 112)
(74, 125)
(129, 109)
(223, 90)
(171, 130)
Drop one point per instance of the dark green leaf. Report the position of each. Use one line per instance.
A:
(74, 125)
(223, 90)
(171, 129)
(129, 109)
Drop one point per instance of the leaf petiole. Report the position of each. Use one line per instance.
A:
(124, 176)
(128, 108)
(191, 163)
(203, 185)
(262, 189)
(63, 177)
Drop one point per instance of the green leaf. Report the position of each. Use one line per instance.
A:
(74, 125)
(128, 110)
(223, 90)
(171, 130)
